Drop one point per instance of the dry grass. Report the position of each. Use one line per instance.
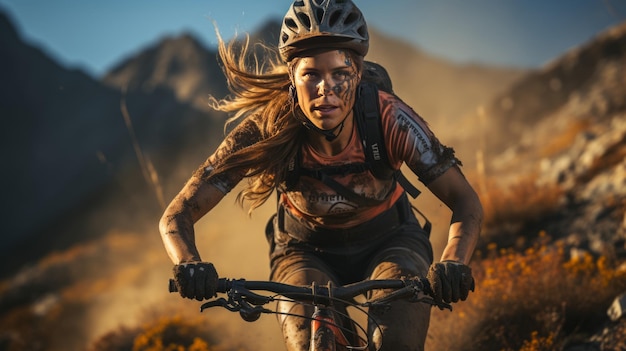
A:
(535, 300)
(521, 202)
(163, 334)
(564, 140)
(537, 296)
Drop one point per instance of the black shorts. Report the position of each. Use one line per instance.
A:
(405, 243)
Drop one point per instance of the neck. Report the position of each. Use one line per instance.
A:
(331, 148)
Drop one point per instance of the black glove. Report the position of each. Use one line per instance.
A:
(196, 280)
(450, 281)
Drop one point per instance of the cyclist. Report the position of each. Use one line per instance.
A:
(301, 110)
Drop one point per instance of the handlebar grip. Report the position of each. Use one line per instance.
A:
(222, 285)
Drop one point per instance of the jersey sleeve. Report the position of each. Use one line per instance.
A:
(244, 135)
(409, 140)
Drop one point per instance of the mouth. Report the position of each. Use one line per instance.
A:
(324, 108)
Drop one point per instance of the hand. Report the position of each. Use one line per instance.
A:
(450, 281)
(196, 280)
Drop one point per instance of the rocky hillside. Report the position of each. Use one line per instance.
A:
(566, 124)
(584, 86)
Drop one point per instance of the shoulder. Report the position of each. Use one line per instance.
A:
(396, 113)
(248, 128)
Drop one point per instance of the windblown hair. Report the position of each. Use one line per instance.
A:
(259, 90)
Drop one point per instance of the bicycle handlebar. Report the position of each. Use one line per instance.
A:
(402, 288)
(349, 291)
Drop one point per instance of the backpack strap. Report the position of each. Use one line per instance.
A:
(370, 128)
(295, 170)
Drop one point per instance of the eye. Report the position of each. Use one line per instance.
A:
(342, 74)
(310, 75)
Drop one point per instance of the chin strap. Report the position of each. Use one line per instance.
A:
(329, 134)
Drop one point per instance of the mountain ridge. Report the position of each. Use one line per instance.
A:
(68, 138)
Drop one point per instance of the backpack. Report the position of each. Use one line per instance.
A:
(368, 121)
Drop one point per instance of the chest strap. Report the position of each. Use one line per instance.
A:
(373, 229)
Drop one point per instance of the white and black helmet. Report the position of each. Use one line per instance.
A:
(313, 24)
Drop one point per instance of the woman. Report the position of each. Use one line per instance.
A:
(301, 111)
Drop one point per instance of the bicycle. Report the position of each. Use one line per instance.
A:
(326, 333)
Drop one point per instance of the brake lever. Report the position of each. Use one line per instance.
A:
(221, 302)
(409, 290)
(385, 300)
(250, 297)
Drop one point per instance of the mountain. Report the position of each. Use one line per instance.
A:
(181, 65)
(442, 92)
(438, 89)
(584, 86)
(66, 143)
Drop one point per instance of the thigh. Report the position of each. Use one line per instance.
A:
(404, 325)
(298, 268)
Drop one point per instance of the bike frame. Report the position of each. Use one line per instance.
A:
(326, 333)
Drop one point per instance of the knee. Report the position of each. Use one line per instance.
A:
(403, 326)
(296, 333)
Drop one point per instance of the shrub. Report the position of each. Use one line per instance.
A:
(162, 334)
(532, 301)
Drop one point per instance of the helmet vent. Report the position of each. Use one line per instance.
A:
(304, 19)
(352, 17)
(310, 24)
(291, 24)
(319, 14)
(362, 31)
(333, 18)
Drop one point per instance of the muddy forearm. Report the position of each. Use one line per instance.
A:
(463, 236)
(177, 223)
(178, 235)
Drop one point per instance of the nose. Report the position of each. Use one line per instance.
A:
(323, 88)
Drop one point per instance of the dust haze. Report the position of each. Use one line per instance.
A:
(113, 270)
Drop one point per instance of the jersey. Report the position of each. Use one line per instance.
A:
(368, 122)
(407, 138)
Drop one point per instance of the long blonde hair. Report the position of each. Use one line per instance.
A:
(259, 89)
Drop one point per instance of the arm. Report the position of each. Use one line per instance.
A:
(201, 195)
(412, 141)
(453, 190)
(451, 279)
(176, 226)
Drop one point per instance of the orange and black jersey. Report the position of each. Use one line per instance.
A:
(408, 140)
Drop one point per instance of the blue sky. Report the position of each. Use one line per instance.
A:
(95, 34)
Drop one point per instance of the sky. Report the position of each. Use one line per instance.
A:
(95, 35)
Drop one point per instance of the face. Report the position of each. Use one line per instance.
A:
(326, 86)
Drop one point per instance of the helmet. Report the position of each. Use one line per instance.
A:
(313, 24)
